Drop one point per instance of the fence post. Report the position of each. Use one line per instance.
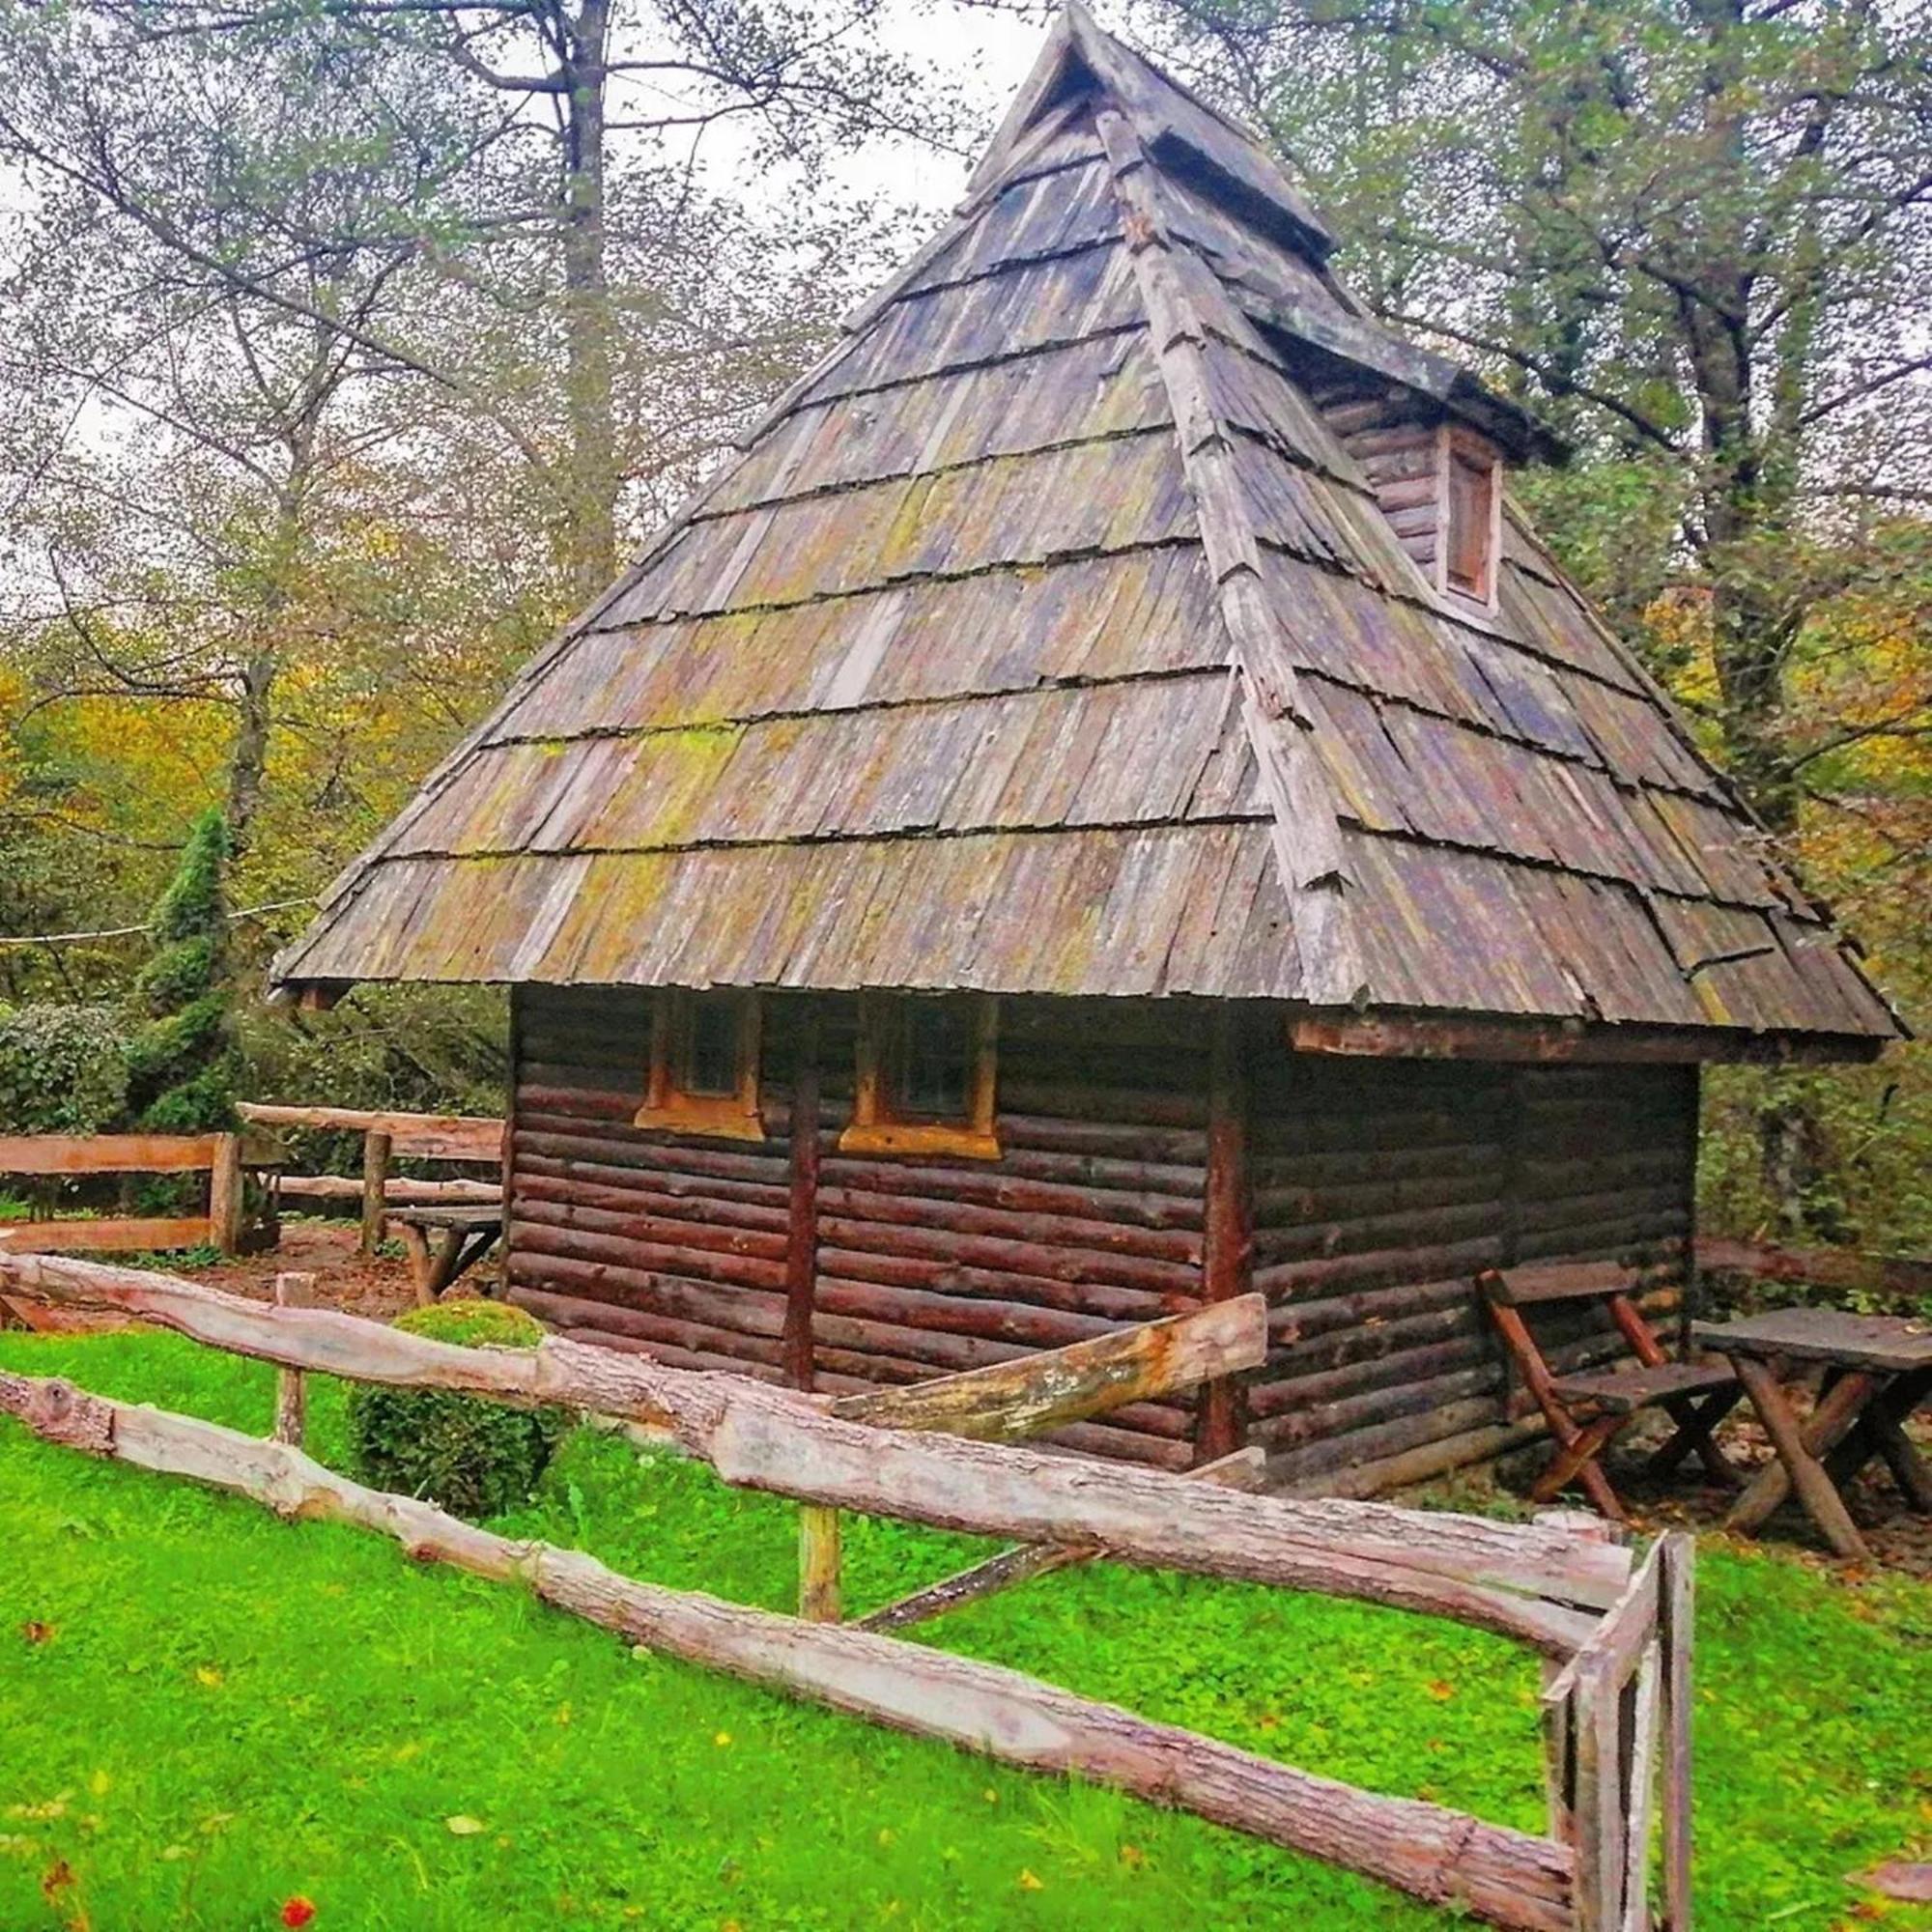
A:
(1598, 1732)
(292, 1291)
(818, 1564)
(1676, 1608)
(375, 1184)
(224, 1194)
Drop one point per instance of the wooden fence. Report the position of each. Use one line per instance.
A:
(946, 1453)
(72, 1156)
(389, 1137)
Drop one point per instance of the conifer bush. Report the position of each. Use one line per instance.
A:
(471, 1457)
(182, 1060)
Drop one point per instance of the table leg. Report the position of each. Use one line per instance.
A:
(422, 1265)
(1881, 1432)
(1798, 1451)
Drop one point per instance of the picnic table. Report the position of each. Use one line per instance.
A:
(462, 1236)
(1878, 1370)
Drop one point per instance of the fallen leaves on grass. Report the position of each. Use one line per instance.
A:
(463, 1825)
(36, 1632)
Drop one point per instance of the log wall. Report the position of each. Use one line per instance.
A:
(1382, 1187)
(1375, 1189)
(1091, 1219)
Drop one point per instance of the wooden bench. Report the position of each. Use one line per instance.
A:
(1587, 1412)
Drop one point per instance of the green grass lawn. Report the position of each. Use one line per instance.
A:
(205, 1712)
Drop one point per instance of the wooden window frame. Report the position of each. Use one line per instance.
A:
(732, 1115)
(875, 1128)
(1453, 439)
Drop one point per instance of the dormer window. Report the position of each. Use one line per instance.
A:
(1472, 498)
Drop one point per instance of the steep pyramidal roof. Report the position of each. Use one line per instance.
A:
(1046, 638)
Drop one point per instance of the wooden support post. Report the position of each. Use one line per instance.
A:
(375, 1180)
(292, 1291)
(819, 1596)
(1227, 1248)
(1676, 1621)
(1597, 1725)
(224, 1194)
(802, 1206)
(1642, 1743)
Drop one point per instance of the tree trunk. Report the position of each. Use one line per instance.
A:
(591, 486)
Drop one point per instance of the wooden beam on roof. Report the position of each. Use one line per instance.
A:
(1416, 1036)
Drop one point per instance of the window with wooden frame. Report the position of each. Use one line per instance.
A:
(703, 1076)
(1472, 503)
(926, 1076)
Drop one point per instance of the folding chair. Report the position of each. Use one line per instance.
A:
(1586, 1412)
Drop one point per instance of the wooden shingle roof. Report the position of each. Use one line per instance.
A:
(1046, 638)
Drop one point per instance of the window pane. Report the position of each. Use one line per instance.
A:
(935, 1070)
(710, 1045)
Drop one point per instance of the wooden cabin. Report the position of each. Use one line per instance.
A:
(1101, 804)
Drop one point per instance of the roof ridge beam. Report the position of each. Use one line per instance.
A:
(1307, 838)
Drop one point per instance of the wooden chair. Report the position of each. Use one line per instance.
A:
(1586, 1412)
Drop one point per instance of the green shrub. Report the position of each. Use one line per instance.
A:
(63, 1070)
(473, 1456)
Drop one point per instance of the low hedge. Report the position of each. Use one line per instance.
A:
(474, 1456)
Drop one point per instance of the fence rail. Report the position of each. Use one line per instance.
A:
(1559, 1585)
(70, 1156)
(388, 1136)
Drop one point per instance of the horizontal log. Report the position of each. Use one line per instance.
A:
(1510, 1579)
(150, 1235)
(702, 1361)
(1019, 1256)
(1167, 1147)
(540, 1130)
(1020, 1321)
(939, 1275)
(1422, 1227)
(637, 1229)
(1295, 1207)
(1506, 1876)
(1289, 1281)
(944, 1215)
(398, 1191)
(1423, 1464)
(995, 1186)
(721, 1346)
(1398, 1369)
(1045, 1391)
(603, 1164)
(427, 1136)
(1309, 1469)
(1081, 1098)
(742, 1310)
(1319, 1421)
(687, 1210)
(1274, 1169)
(529, 1225)
(1361, 1309)
(105, 1153)
(1374, 1340)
